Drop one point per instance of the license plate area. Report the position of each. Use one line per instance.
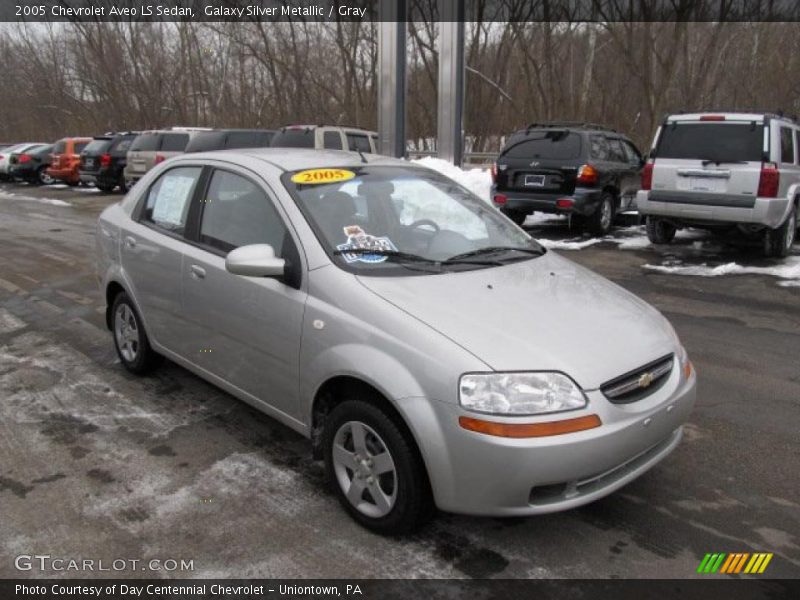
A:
(702, 184)
(534, 181)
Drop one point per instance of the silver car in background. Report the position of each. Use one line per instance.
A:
(5, 156)
(434, 353)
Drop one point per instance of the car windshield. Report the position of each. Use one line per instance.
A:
(712, 141)
(386, 220)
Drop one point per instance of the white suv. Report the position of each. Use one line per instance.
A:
(724, 170)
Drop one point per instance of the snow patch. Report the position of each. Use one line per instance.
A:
(788, 270)
(478, 181)
(25, 198)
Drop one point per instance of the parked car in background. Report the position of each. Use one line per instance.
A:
(224, 139)
(103, 160)
(5, 155)
(31, 165)
(724, 171)
(152, 147)
(328, 137)
(66, 159)
(587, 171)
(347, 297)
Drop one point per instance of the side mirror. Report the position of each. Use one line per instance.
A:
(255, 260)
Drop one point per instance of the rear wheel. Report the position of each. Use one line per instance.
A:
(778, 242)
(374, 469)
(123, 184)
(660, 231)
(106, 187)
(516, 215)
(44, 177)
(130, 338)
(601, 220)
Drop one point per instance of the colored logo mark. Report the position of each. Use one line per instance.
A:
(736, 562)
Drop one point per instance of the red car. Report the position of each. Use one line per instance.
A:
(66, 159)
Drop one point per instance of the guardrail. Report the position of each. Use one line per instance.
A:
(472, 159)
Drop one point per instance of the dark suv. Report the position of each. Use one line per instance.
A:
(103, 161)
(225, 139)
(587, 171)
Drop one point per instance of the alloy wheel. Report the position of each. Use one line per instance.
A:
(126, 330)
(365, 469)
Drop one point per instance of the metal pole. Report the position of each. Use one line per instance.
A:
(392, 77)
(450, 109)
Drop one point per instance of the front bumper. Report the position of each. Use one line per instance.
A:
(686, 208)
(479, 474)
(584, 201)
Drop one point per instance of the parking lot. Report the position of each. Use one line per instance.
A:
(96, 463)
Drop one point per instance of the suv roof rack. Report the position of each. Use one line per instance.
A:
(575, 124)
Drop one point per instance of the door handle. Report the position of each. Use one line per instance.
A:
(198, 271)
(130, 241)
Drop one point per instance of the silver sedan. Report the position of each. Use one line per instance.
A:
(434, 354)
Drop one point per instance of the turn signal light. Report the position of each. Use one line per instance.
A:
(587, 175)
(159, 158)
(530, 430)
(687, 369)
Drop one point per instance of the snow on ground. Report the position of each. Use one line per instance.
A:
(789, 270)
(25, 198)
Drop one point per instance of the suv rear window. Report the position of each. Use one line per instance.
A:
(174, 142)
(98, 146)
(247, 139)
(123, 144)
(711, 141)
(557, 144)
(145, 143)
(293, 138)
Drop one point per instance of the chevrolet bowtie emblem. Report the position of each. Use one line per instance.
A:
(646, 379)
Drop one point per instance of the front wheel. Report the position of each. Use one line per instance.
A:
(374, 469)
(660, 231)
(130, 338)
(778, 242)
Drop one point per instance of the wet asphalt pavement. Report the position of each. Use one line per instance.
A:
(98, 464)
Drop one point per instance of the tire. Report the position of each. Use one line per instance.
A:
(516, 215)
(407, 499)
(43, 177)
(123, 185)
(73, 183)
(660, 231)
(106, 187)
(130, 338)
(778, 242)
(601, 220)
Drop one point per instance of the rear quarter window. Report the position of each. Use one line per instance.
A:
(545, 144)
(203, 142)
(787, 145)
(712, 141)
(174, 142)
(247, 139)
(294, 138)
(122, 145)
(358, 143)
(147, 142)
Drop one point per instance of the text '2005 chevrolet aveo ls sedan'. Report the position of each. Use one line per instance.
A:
(433, 352)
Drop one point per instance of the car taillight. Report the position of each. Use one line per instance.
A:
(647, 176)
(23, 158)
(712, 118)
(565, 203)
(500, 199)
(160, 158)
(587, 175)
(768, 181)
(105, 160)
(494, 172)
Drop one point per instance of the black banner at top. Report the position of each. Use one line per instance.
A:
(369, 10)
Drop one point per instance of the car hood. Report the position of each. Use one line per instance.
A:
(542, 314)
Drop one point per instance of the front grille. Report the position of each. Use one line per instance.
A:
(639, 383)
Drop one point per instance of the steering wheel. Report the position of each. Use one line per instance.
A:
(422, 222)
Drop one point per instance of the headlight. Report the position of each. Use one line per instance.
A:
(519, 393)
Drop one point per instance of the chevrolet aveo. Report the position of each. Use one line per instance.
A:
(434, 353)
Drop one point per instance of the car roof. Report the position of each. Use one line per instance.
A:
(729, 116)
(295, 159)
(344, 128)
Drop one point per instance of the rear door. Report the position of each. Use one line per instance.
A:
(709, 162)
(542, 161)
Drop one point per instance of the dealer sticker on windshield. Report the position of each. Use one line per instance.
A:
(317, 176)
(358, 239)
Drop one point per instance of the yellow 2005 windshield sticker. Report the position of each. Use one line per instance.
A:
(314, 176)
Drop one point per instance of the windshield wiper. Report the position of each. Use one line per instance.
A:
(408, 257)
(494, 250)
(719, 161)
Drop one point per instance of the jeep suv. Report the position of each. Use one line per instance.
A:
(724, 171)
(327, 137)
(103, 161)
(586, 171)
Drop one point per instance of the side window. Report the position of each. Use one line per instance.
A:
(123, 145)
(358, 142)
(599, 147)
(615, 151)
(169, 198)
(174, 142)
(332, 140)
(79, 147)
(787, 145)
(632, 155)
(237, 212)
